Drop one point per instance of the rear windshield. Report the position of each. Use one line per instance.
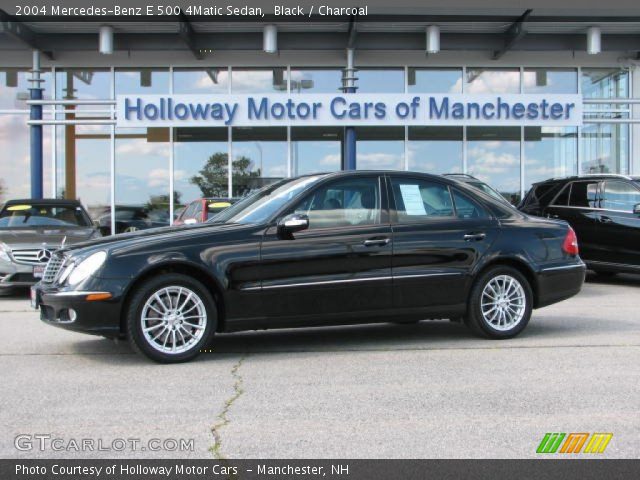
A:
(33, 215)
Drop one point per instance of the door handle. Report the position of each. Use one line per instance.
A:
(605, 219)
(551, 215)
(475, 236)
(372, 242)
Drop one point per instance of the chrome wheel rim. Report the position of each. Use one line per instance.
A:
(173, 319)
(503, 302)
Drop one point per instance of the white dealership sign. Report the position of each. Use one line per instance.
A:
(348, 110)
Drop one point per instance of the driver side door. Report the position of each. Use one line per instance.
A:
(340, 266)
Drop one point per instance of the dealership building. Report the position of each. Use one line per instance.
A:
(77, 143)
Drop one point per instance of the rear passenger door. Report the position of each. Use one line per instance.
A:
(577, 203)
(439, 233)
(618, 226)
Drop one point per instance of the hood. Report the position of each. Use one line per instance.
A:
(52, 236)
(155, 235)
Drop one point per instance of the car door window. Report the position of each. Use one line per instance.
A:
(584, 194)
(467, 208)
(343, 203)
(562, 200)
(188, 212)
(418, 200)
(620, 196)
(197, 211)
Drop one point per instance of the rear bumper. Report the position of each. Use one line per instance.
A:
(559, 283)
(71, 311)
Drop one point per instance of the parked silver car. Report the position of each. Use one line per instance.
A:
(31, 230)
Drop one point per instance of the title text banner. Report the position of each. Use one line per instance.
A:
(271, 110)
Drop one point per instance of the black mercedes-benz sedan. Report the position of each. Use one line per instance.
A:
(325, 249)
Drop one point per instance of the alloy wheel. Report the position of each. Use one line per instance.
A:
(173, 319)
(503, 302)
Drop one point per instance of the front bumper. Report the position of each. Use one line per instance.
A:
(16, 275)
(557, 283)
(71, 310)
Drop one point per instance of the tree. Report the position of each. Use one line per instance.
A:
(212, 179)
(1, 190)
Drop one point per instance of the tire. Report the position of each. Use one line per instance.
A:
(165, 304)
(511, 317)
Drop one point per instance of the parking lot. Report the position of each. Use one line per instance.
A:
(429, 390)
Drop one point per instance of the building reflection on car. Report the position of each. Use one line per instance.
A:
(131, 218)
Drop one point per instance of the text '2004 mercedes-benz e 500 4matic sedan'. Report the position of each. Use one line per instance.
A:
(326, 249)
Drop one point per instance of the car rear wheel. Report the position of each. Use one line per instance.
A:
(171, 318)
(500, 304)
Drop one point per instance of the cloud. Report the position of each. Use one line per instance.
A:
(204, 82)
(159, 177)
(252, 81)
(143, 148)
(491, 82)
(380, 160)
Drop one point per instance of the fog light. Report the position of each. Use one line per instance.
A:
(68, 315)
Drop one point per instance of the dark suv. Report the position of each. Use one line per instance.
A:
(604, 210)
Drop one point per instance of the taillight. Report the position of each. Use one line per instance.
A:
(570, 244)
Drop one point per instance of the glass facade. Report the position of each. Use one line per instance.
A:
(139, 171)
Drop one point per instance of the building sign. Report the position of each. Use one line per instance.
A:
(347, 110)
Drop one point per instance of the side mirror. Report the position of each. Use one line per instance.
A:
(291, 224)
(636, 209)
(190, 221)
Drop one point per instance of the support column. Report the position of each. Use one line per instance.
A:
(36, 130)
(349, 86)
(634, 128)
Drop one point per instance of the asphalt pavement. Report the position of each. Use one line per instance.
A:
(428, 390)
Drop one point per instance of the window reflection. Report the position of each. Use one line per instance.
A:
(550, 80)
(261, 80)
(493, 156)
(550, 152)
(141, 81)
(605, 83)
(201, 167)
(435, 149)
(493, 80)
(605, 148)
(380, 80)
(434, 80)
(142, 158)
(142, 178)
(310, 80)
(316, 149)
(84, 151)
(380, 148)
(201, 80)
(259, 157)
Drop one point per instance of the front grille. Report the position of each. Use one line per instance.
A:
(31, 256)
(52, 269)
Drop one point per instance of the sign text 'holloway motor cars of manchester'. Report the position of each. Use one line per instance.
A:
(348, 110)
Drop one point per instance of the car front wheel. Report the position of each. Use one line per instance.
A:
(500, 304)
(170, 318)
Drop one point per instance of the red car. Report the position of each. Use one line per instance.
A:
(202, 209)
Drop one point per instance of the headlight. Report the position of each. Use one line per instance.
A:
(86, 268)
(4, 252)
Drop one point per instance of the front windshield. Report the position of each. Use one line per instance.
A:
(261, 205)
(34, 215)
